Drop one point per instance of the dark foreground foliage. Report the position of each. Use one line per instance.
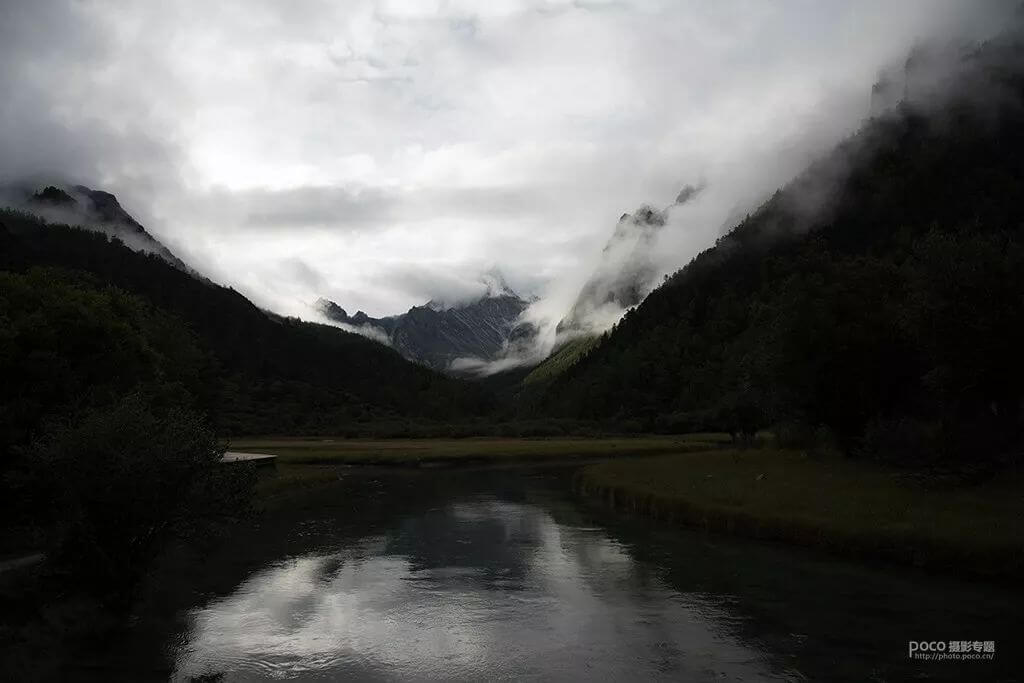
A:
(116, 483)
(69, 342)
(105, 447)
(105, 455)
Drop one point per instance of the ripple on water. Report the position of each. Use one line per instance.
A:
(441, 599)
(520, 585)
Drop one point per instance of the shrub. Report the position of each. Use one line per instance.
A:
(120, 480)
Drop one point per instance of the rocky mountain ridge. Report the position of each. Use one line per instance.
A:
(85, 207)
(438, 335)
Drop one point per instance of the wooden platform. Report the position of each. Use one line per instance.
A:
(259, 459)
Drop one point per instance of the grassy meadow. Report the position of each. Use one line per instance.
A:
(308, 462)
(417, 452)
(826, 501)
(850, 507)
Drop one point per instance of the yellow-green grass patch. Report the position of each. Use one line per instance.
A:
(844, 505)
(310, 451)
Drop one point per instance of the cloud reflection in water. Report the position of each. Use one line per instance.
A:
(486, 589)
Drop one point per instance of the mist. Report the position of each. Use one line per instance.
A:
(650, 244)
(383, 156)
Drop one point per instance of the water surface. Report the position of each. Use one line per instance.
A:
(503, 575)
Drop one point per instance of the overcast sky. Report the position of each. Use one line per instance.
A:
(385, 153)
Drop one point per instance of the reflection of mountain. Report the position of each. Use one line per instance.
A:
(480, 589)
(493, 539)
(93, 209)
(437, 335)
(389, 586)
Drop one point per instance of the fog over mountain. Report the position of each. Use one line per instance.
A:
(385, 154)
(84, 207)
(626, 273)
(462, 337)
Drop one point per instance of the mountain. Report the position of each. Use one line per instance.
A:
(91, 209)
(625, 274)
(447, 338)
(266, 374)
(876, 298)
(621, 279)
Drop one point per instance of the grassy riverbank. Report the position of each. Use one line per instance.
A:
(305, 463)
(844, 506)
(418, 452)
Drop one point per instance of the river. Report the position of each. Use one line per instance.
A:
(503, 574)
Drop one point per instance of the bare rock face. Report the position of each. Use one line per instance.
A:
(626, 273)
(622, 279)
(435, 335)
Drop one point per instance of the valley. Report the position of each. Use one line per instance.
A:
(767, 427)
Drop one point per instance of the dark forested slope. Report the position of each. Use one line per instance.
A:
(880, 295)
(271, 374)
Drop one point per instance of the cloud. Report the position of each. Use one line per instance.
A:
(369, 331)
(354, 208)
(76, 107)
(396, 149)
